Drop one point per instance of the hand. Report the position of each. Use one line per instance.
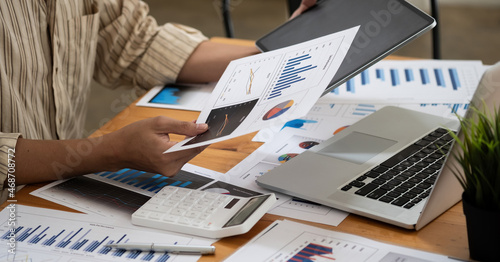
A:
(140, 145)
(304, 5)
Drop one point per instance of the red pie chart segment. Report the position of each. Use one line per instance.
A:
(278, 110)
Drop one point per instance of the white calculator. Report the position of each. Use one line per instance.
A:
(202, 213)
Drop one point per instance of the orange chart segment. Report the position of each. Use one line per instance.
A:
(278, 110)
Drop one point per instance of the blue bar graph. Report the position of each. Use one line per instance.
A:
(364, 109)
(64, 242)
(365, 78)
(163, 258)
(380, 74)
(148, 256)
(51, 240)
(38, 237)
(27, 234)
(350, 86)
(125, 174)
(290, 75)
(454, 108)
(154, 182)
(455, 81)
(394, 77)
(439, 77)
(82, 241)
(409, 75)
(424, 75)
(118, 172)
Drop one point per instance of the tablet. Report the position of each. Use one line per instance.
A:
(386, 25)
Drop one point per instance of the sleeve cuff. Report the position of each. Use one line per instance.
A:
(8, 142)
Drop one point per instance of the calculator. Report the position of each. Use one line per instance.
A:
(202, 213)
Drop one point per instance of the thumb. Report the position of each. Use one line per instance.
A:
(169, 125)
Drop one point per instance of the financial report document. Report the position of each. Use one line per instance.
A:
(270, 88)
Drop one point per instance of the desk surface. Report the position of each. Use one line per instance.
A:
(446, 235)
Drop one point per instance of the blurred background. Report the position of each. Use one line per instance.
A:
(469, 30)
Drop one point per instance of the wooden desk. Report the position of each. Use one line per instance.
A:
(446, 235)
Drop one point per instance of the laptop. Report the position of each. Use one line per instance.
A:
(391, 166)
(385, 26)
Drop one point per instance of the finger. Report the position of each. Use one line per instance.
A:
(170, 125)
(304, 5)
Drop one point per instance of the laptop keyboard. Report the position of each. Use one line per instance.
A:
(406, 178)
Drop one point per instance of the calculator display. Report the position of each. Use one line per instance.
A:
(246, 211)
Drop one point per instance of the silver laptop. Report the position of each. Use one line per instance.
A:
(390, 166)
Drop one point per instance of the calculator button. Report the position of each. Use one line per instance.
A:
(198, 208)
(176, 197)
(197, 222)
(217, 203)
(155, 215)
(141, 213)
(211, 196)
(204, 202)
(155, 200)
(177, 212)
(190, 199)
(184, 221)
(205, 215)
(198, 194)
(170, 218)
(169, 203)
(151, 207)
(192, 214)
(184, 206)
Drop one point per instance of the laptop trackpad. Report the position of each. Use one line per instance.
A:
(357, 147)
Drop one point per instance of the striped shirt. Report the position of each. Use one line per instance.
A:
(50, 50)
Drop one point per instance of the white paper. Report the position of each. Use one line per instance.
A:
(51, 235)
(291, 241)
(255, 92)
(178, 96)
(411, 81)
(326, 119)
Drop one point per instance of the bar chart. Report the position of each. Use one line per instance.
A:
(309, 247)
(151, 183)
(93, 196)
(291, 74)
(72, 235)
(410, 81)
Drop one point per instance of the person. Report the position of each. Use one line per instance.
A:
(51, 50)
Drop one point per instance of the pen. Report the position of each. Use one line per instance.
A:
(177, 249)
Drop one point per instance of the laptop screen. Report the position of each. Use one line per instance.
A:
(385, 26)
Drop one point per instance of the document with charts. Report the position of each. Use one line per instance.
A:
(269, 88)
(290, 241)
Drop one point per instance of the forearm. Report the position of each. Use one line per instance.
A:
(47, 160)
(210, 59)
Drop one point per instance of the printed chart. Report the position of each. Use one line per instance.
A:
(295, 242)
(70, 235)
(285, 83)
(309, 247)
(413, 81)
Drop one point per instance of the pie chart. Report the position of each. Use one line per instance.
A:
(278, 110)
(285, 157)
(308, 144)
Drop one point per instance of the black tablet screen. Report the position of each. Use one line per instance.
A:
(386, 25)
